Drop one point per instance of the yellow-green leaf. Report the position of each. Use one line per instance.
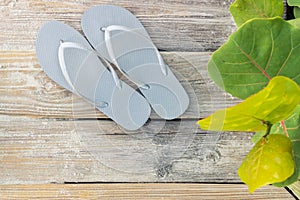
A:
(291, 127)
(270, 161)
(244, 10)
(272, 104)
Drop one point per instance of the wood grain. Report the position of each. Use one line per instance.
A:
(44, 151)
(140, 191)
(295, 188)
(48, 135)
(194, 25)
(25, 90)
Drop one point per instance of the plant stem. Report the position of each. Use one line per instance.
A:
(284, 128)
(269, 126)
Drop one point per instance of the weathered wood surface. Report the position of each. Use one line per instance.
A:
(43, 151)
(139, 191)
(295, 188)
(177, 25)
(48, 135)
(26, 90)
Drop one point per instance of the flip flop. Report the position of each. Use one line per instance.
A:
(122, 39)
(69, 60)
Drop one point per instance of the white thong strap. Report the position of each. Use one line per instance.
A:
(63, 46)
(112, 56)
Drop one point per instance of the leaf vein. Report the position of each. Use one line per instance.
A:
(242, 63)
(258, 10)
(245, 73)
(252, 60)
(271, 53)
(293, 128)
(285, 62)
(259, 160)
(253, 44)
(247, 84)
(296, 77)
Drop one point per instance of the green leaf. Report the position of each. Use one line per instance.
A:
(272, 104)
(258, 51)
(292, 124)
(244, 10)
(269, 161)
(295, 23)
(293, 2)
(297, 12)
(293, 129)
(257, 136)
(296, 4)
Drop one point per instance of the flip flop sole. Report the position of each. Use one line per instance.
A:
(91, 79)
(136, 54)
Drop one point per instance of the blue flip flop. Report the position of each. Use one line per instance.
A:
(122, 39)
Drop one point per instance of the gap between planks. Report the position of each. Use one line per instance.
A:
(141, 191)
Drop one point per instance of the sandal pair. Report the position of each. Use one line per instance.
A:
(115, 40)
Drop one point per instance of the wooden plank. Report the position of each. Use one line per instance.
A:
(25, 90)
(194, 25)
(44, 151)
(140, 191)
(295, 188)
